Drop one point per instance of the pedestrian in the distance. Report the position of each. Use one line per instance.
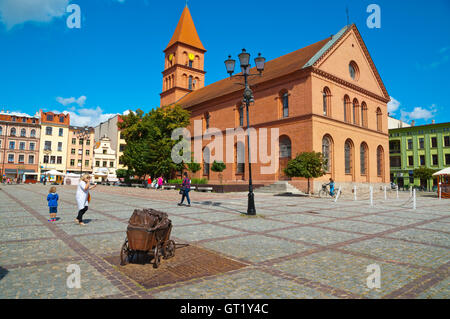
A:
(160, 182)
(185, 189)
(83, 197)
(52, 199)
(331, 183)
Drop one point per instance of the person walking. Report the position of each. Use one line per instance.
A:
(185, 189)
(83, 197)
(52, 199)
(160, 182)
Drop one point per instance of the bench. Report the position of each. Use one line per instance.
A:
(205, 189)
(168, 186)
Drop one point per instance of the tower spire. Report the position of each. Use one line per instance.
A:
(186, 32)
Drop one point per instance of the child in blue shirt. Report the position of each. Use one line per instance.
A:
(52, 199)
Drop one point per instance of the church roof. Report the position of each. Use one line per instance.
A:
(186, 32)
(284, 65)
(275, 68)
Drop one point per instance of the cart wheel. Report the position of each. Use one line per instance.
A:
(169, 249)
(124, 252)
(156, 257)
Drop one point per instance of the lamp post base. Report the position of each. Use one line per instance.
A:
(251, 210)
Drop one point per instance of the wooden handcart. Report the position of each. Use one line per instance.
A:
(148, 235)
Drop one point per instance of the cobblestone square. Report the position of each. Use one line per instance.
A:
(296, 247)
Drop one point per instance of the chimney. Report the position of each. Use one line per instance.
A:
(433, 122)
(413, 122)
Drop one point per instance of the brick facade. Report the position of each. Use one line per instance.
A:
(355, 117)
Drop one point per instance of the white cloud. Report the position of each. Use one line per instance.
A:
(393, 106)
(88, 116)
(419, 113)
(14, 12)
(14, 113)
(66, 101)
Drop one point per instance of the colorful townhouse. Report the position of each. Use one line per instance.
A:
(19, 147)
(80, 150)
(110, 129)
(53, 146)
(418, 146)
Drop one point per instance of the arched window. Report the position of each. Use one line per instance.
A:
(23, 132)
(355, 112)
(353, 70)
(190, 82)
(327, 153)
(284, 95)
(185, 80)
(206, 161)
(185, 58)
(379, 120)
(207, 120)
(348, 151)
(380, 161)
(363, 114)
(197, 62)
(33, 133)
(347, 108)
(363, 158)
(196, 83)
(285, 147)
(240, 158)
(13, 131)
(326, 94)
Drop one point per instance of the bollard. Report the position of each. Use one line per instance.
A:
(371, 196)
(354, 192)
(397, 191)
(338, 193)
(414, 199)
(385, 196)
(440, 193)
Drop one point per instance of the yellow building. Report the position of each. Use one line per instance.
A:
(53, 146)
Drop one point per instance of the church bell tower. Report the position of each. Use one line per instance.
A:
(184, 62)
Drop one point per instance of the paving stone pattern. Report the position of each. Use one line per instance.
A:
(296, 247)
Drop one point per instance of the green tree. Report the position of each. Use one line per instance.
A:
(307, 165)
(424, 173)
(125, 174)
(149, 140)
(218, 167)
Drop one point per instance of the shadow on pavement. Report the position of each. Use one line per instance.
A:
(3, 272)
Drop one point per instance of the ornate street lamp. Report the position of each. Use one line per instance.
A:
(244, 60)
(81, 135)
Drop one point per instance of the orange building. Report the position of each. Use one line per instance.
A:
(19, 146)
(327, 97)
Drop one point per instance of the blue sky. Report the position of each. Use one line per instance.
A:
(114, 61)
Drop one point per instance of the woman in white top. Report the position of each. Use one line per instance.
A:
(82, 197)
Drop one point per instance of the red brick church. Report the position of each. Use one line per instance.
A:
(327, 97)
